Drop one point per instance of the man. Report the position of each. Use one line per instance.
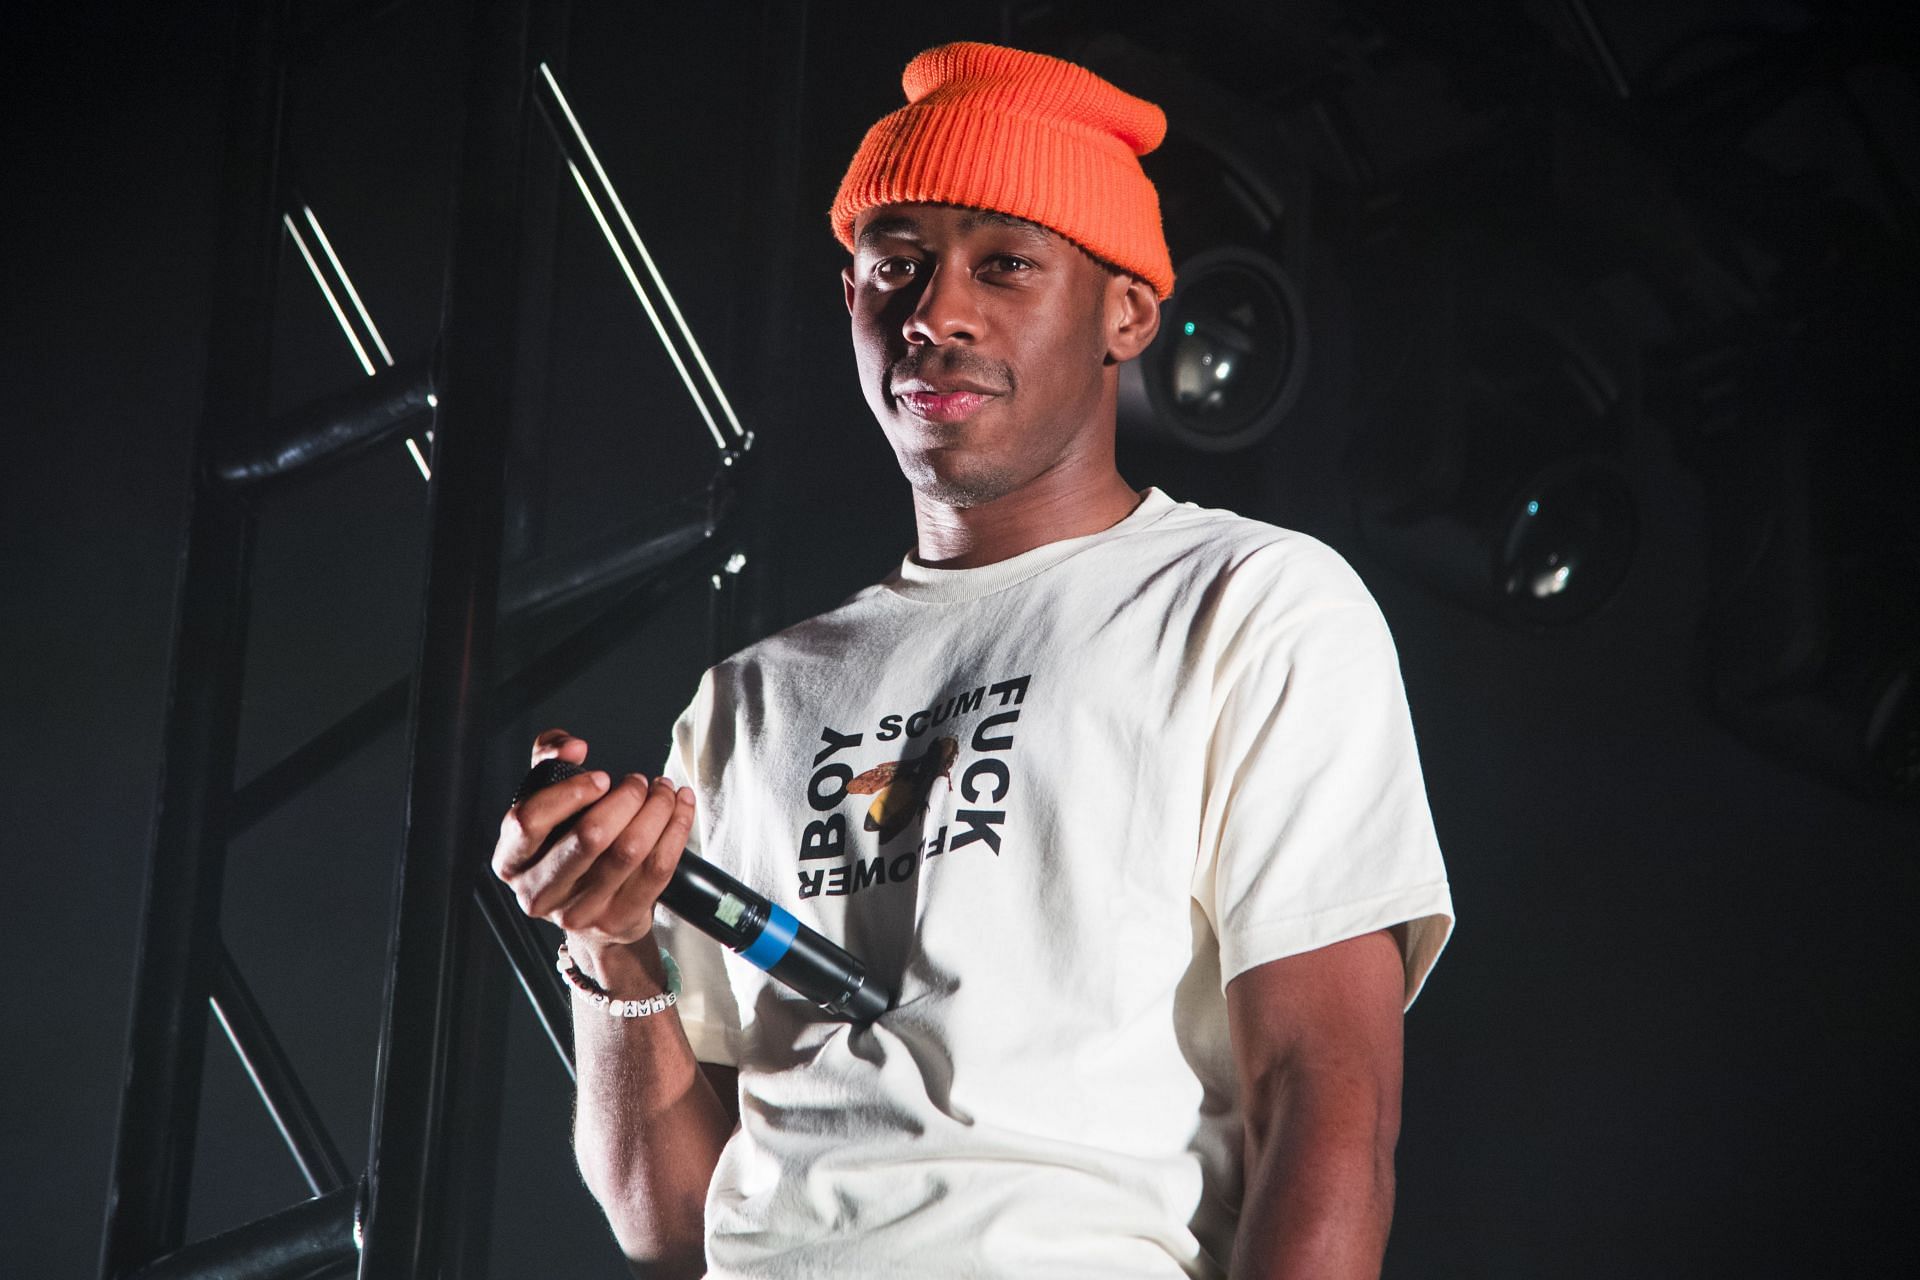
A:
(1119, 795)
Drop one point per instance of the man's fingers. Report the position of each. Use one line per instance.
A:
(525, 829)
(642, 831)
(590, 856)
(553, 879)
(673, 840)
(558, 743)
(616, 895)
(605, 823)
(636, 895)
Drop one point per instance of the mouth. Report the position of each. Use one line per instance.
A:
(941, 404)
(950, 406)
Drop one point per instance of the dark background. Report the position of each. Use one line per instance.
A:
(1673, 1035)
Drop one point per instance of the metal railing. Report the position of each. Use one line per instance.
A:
(416, 1209)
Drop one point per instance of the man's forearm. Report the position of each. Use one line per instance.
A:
(1319, 1194)
(648, 1128)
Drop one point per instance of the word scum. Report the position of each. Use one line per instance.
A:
(902, 789)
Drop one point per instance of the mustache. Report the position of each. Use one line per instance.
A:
(953, 365)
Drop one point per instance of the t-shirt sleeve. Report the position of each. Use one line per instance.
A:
(1315, 822)
(707, 1006)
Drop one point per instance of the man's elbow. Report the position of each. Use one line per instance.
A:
(1320, 1170)
(1375, 1145)
(1383, 1185)
(1333, 1106)
(661, 1236)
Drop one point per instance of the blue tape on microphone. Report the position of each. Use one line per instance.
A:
(774, 939)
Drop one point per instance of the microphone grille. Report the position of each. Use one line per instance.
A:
(545, 774)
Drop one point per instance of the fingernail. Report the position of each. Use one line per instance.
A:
(600, 781)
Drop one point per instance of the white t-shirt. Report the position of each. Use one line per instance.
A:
(1126, 768)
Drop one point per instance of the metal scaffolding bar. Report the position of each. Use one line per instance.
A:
(274, 1079)
(423, 1207)
(630, 554)
(532, 965)
(637, 265)
(408, 1175)
(668, 556)
(336, 427)
(319, 755)
(560, 663)
(179, 930)
(310, 1241)
(474, 1095)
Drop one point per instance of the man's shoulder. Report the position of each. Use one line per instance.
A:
(1256, 555)
(1217, 528)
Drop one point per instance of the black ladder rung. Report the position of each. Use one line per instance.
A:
(333, 427)
(309, 1241)
(625, 557)
(664, 559)
(317, 756)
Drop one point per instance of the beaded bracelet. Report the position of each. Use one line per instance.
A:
(615, 1008)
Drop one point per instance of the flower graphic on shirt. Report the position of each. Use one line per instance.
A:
(900, 788)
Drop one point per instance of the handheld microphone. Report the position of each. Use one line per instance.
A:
(755, 929)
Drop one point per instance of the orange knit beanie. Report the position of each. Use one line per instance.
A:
(1022, 134)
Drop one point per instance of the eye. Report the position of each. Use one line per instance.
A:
(1009, 263)
(894, 271)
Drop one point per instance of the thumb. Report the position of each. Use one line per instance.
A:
(558, 744)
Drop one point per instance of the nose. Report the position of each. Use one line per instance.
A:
(946, 310)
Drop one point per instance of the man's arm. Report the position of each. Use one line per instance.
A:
(1317, 1048)
(648, 1122)
(648, 1125)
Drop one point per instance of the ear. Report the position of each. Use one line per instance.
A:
(846, 285)
(1133, 317)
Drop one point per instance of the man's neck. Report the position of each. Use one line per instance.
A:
(1048, 510)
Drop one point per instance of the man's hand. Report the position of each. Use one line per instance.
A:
(599, 877)
(648, 1125)
(1317, 1048)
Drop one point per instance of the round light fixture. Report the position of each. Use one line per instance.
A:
(1230, 355)
(1565, 541)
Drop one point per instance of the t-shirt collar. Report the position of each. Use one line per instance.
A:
(917, 581)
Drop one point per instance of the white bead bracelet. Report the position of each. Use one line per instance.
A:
(603, 999)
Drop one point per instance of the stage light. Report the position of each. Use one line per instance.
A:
(1557, 547)
(1847, 711)
(1490, 473)
(1809, 640)
(1231, 355)
(1228, 363)
(1566, 542)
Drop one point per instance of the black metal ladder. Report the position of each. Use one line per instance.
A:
(414, 1210)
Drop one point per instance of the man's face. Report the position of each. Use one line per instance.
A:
(983, 345)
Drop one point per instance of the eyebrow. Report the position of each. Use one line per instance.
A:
(904, 226)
